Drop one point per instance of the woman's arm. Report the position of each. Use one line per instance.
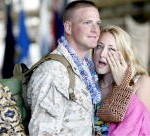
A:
(114, 106)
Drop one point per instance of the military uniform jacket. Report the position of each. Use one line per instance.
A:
(53, 113)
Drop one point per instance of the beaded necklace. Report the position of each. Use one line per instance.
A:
(89, 75)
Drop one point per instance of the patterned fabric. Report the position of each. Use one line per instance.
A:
(53, 113)
(10, 118)
(101, 128)
(89, 75)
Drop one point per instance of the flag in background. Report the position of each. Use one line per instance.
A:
(51, 25)
(58, 24)
(58, 28)
(45, 32)
(23, 40)
(8, 64)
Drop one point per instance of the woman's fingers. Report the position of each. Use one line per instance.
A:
(122, 60)
(110, 63)
(114, 58)
(118, 66)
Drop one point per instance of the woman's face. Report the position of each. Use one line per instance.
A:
(106, 45)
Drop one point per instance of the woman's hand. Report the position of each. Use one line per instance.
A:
(117, 65)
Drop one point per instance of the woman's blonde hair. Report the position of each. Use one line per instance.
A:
(123, 42)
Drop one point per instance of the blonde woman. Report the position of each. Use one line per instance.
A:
(125, 87)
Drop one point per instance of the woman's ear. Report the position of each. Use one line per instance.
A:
(67, 27)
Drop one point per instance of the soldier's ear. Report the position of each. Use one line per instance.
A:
(67, 27)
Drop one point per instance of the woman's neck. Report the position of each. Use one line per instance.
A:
(106, 80)
(106, 83)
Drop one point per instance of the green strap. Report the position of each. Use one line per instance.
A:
(66, 63)
(35, 66)
(68, 66)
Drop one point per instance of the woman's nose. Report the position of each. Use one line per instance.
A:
(104, 53)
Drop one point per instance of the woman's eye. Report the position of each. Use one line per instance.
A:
(99, 46)
(112, 49)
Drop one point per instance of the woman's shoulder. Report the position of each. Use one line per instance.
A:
(143, 90)
(144, 80)
(141, 80)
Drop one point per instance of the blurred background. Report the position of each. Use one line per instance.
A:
(30, 28)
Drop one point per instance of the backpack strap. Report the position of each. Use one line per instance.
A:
(65, 62)
(68, 66)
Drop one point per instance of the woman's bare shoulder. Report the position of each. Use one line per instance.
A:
(144, 80)
(143, 90)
